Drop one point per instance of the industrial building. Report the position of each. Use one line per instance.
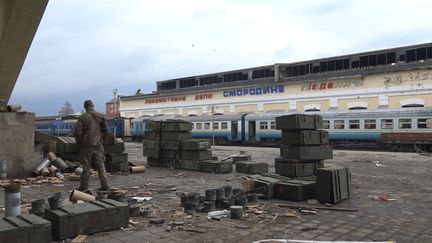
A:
(382, 79)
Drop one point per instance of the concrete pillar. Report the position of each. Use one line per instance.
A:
(17, 138)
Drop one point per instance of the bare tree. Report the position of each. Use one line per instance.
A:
(66, 109)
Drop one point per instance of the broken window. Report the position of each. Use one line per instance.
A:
(263, 125)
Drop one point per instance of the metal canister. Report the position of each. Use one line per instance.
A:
(59, 162)
(44, 163)
(12, 200)
(56, 201)
(38, 207)
(3, 169)
(236, 212)
(228, 191)
(220, 194)
(253, 197)
(210, 195)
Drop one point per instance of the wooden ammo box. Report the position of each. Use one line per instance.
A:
(196, 154)
(66, 144)
(295, 190)
(265, 185)
(170, 145)
(175, 136)
(152, 135)
(154, 153)
(251, 167)
(116, 157)
(152, 161)
(176, 126)
(87, 218)
(195, 144)
(333, 184)
(170, 154)
(25, 228)
(304, 137)
(153, 125)
(298, 121)
(296, 168)
(118, 147)
(188, 164)
(151, 144)
(213, 166)
(311, 152)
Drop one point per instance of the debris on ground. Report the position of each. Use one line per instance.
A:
(381, 197)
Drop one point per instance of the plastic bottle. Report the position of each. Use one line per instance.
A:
(219, 213)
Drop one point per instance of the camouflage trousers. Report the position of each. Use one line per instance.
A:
(93, 156)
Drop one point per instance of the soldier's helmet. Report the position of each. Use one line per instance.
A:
(88, 104)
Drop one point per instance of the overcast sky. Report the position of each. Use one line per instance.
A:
(84, 49)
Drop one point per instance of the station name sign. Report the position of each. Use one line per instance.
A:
(165, 100)
(254, 91)
(332, 85)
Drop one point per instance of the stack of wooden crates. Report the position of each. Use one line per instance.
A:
(302, 156)
(169, 144)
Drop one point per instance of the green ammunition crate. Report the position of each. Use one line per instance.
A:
(196, 154)
(333, 184)
(116, 157)
(151, 144)
(117, 167)
(304, 137)
(251, 167)
(312, 152)
(189, 165)
(153, 125)
(170, 154)
(152, 161)
(298, 121)
(212, 166)
(175, 136)
(25, 228)
(265, 185)
(167, 163)
(8, 232)
(176, 126)
(170, 145)
(152, 135)
(66, 144)
(87, 218)
(154, 153)
(70, 156)
(295, 190)
(118, 147)
(296, 169)
(195, 144)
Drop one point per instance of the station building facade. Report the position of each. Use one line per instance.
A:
(382, 79)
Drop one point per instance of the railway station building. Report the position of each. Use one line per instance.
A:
(383, 79)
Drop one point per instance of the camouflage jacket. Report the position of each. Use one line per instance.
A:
(90, 129)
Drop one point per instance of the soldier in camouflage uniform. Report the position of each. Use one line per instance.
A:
(89, 133)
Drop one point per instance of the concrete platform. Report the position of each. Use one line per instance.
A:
(406, 177)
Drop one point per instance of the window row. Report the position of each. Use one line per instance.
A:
(207, 126)
(404, 123)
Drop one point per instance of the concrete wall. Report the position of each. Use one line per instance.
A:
(17, 143)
